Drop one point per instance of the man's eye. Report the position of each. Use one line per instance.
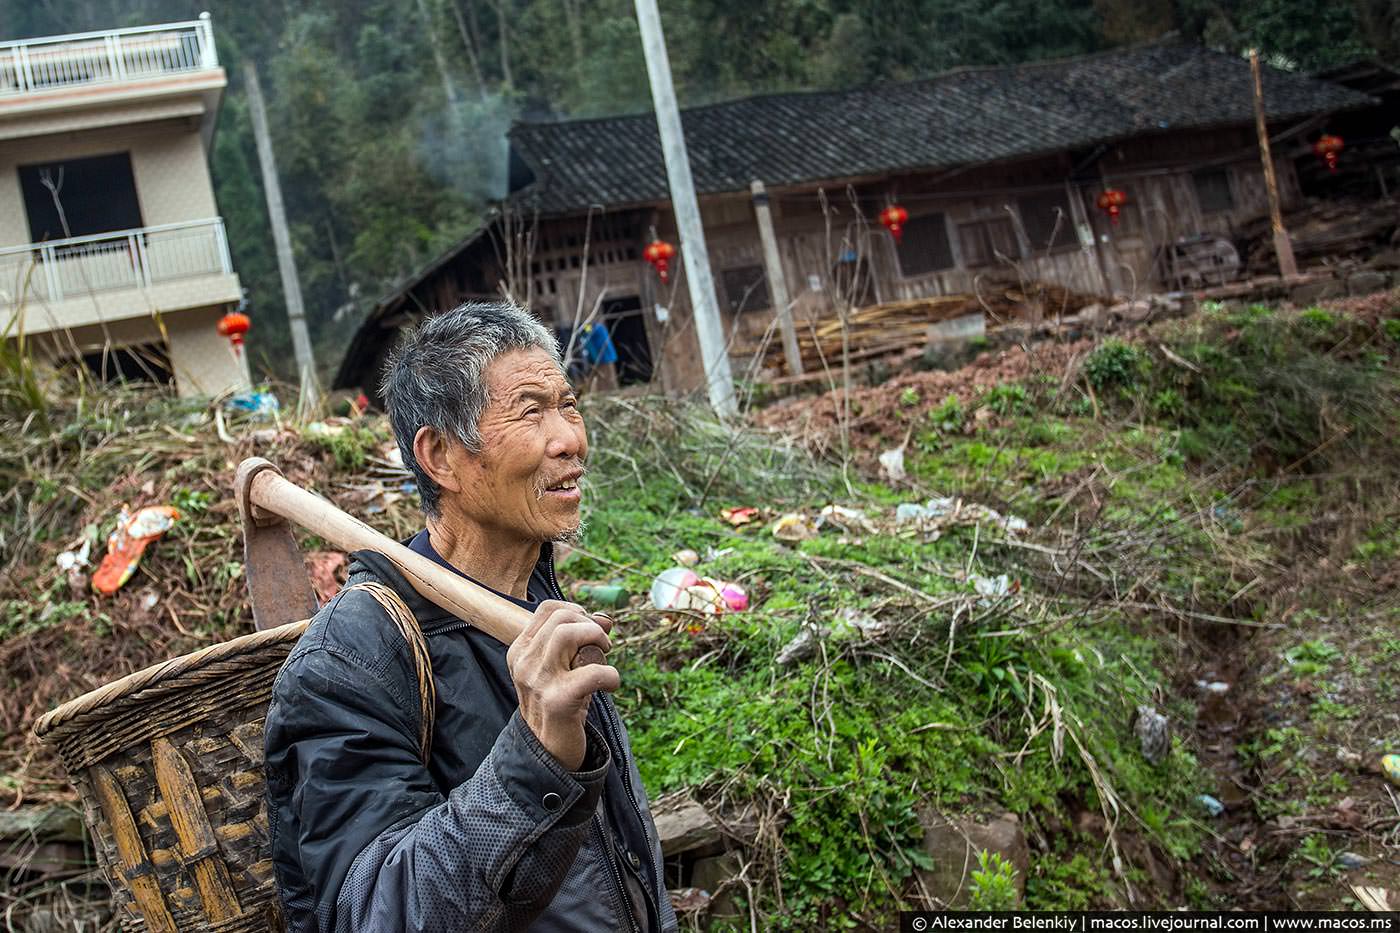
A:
(532, 411)
(569, 403)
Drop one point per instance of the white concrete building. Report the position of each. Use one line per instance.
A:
(111, 245)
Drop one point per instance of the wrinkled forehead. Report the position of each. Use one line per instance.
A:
(532, 371)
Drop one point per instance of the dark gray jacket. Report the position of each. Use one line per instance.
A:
(493, 834)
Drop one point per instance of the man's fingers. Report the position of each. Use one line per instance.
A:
(574, 634)
(588, 679)
(548, 614)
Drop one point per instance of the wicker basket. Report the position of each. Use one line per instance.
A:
(169, 765)
(169, 761)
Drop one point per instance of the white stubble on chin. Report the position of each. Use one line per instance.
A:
(572, 535)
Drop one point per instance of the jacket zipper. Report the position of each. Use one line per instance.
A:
(610, 856)
(609, 851)
(610, 716)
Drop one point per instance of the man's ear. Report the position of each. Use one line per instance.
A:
(434, 451)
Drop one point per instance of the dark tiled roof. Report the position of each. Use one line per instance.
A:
(968, 115)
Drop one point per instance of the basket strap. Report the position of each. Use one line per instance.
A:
(407, 625)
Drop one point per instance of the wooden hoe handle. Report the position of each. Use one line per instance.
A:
(268, 500)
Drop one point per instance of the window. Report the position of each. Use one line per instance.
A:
(986, 241)
(1047, 222)
(745, 288)
(925, 247)
(98, 195)
(1213, 190)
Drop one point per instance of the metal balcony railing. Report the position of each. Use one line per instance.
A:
(71, 268)
(31, 66)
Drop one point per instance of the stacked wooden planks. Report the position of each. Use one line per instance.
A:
(894, 327)
(873, 331)
(1325, 230)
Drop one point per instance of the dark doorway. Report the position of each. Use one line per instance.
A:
(145, 363)
(628, 329)
(98, 195)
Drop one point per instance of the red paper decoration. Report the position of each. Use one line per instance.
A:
(660, 253)
(233, 326)
(1328, 147)
(1111, 202)
(893, 217)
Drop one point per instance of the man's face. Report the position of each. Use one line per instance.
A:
(525, 480)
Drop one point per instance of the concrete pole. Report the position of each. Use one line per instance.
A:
(310, 394)
(777, 282)
(703, 306)
(1283, 247)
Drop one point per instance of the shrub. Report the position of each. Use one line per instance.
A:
(1009, 399)
(949, 417)
(1317, 319)
(1115, 364)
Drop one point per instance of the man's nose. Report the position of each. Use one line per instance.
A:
(567, 439)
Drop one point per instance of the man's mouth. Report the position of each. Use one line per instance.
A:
(567, 486)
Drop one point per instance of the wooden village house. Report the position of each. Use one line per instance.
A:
(999, 169)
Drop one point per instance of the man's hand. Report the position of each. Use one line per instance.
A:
(553, 694)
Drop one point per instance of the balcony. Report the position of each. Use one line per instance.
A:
(129, 273)
(117, 56)
(90, 80)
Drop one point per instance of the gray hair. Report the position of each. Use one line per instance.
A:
(435, 378)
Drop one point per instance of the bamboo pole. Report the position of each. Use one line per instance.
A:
(1283, 247)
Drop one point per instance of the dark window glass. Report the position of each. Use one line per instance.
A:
(925, 247)
(746, 288)
(1039, 214)
(98, 195)
(1213, 190)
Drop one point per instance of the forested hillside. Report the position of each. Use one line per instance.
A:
(389, 117)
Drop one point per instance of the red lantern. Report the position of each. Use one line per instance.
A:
(893, 217)
(233, 326)
(1328, 147)
(659, 253)
(1111, 202)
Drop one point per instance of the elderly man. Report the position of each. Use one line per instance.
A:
(529, 812)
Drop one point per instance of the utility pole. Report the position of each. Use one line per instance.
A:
(310, 391)
(1283, 247)
(703, 306)
(777, 283)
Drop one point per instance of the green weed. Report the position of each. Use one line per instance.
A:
(1322, 859)
(993, 884)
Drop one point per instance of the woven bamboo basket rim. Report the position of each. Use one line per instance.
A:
(66, 717)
